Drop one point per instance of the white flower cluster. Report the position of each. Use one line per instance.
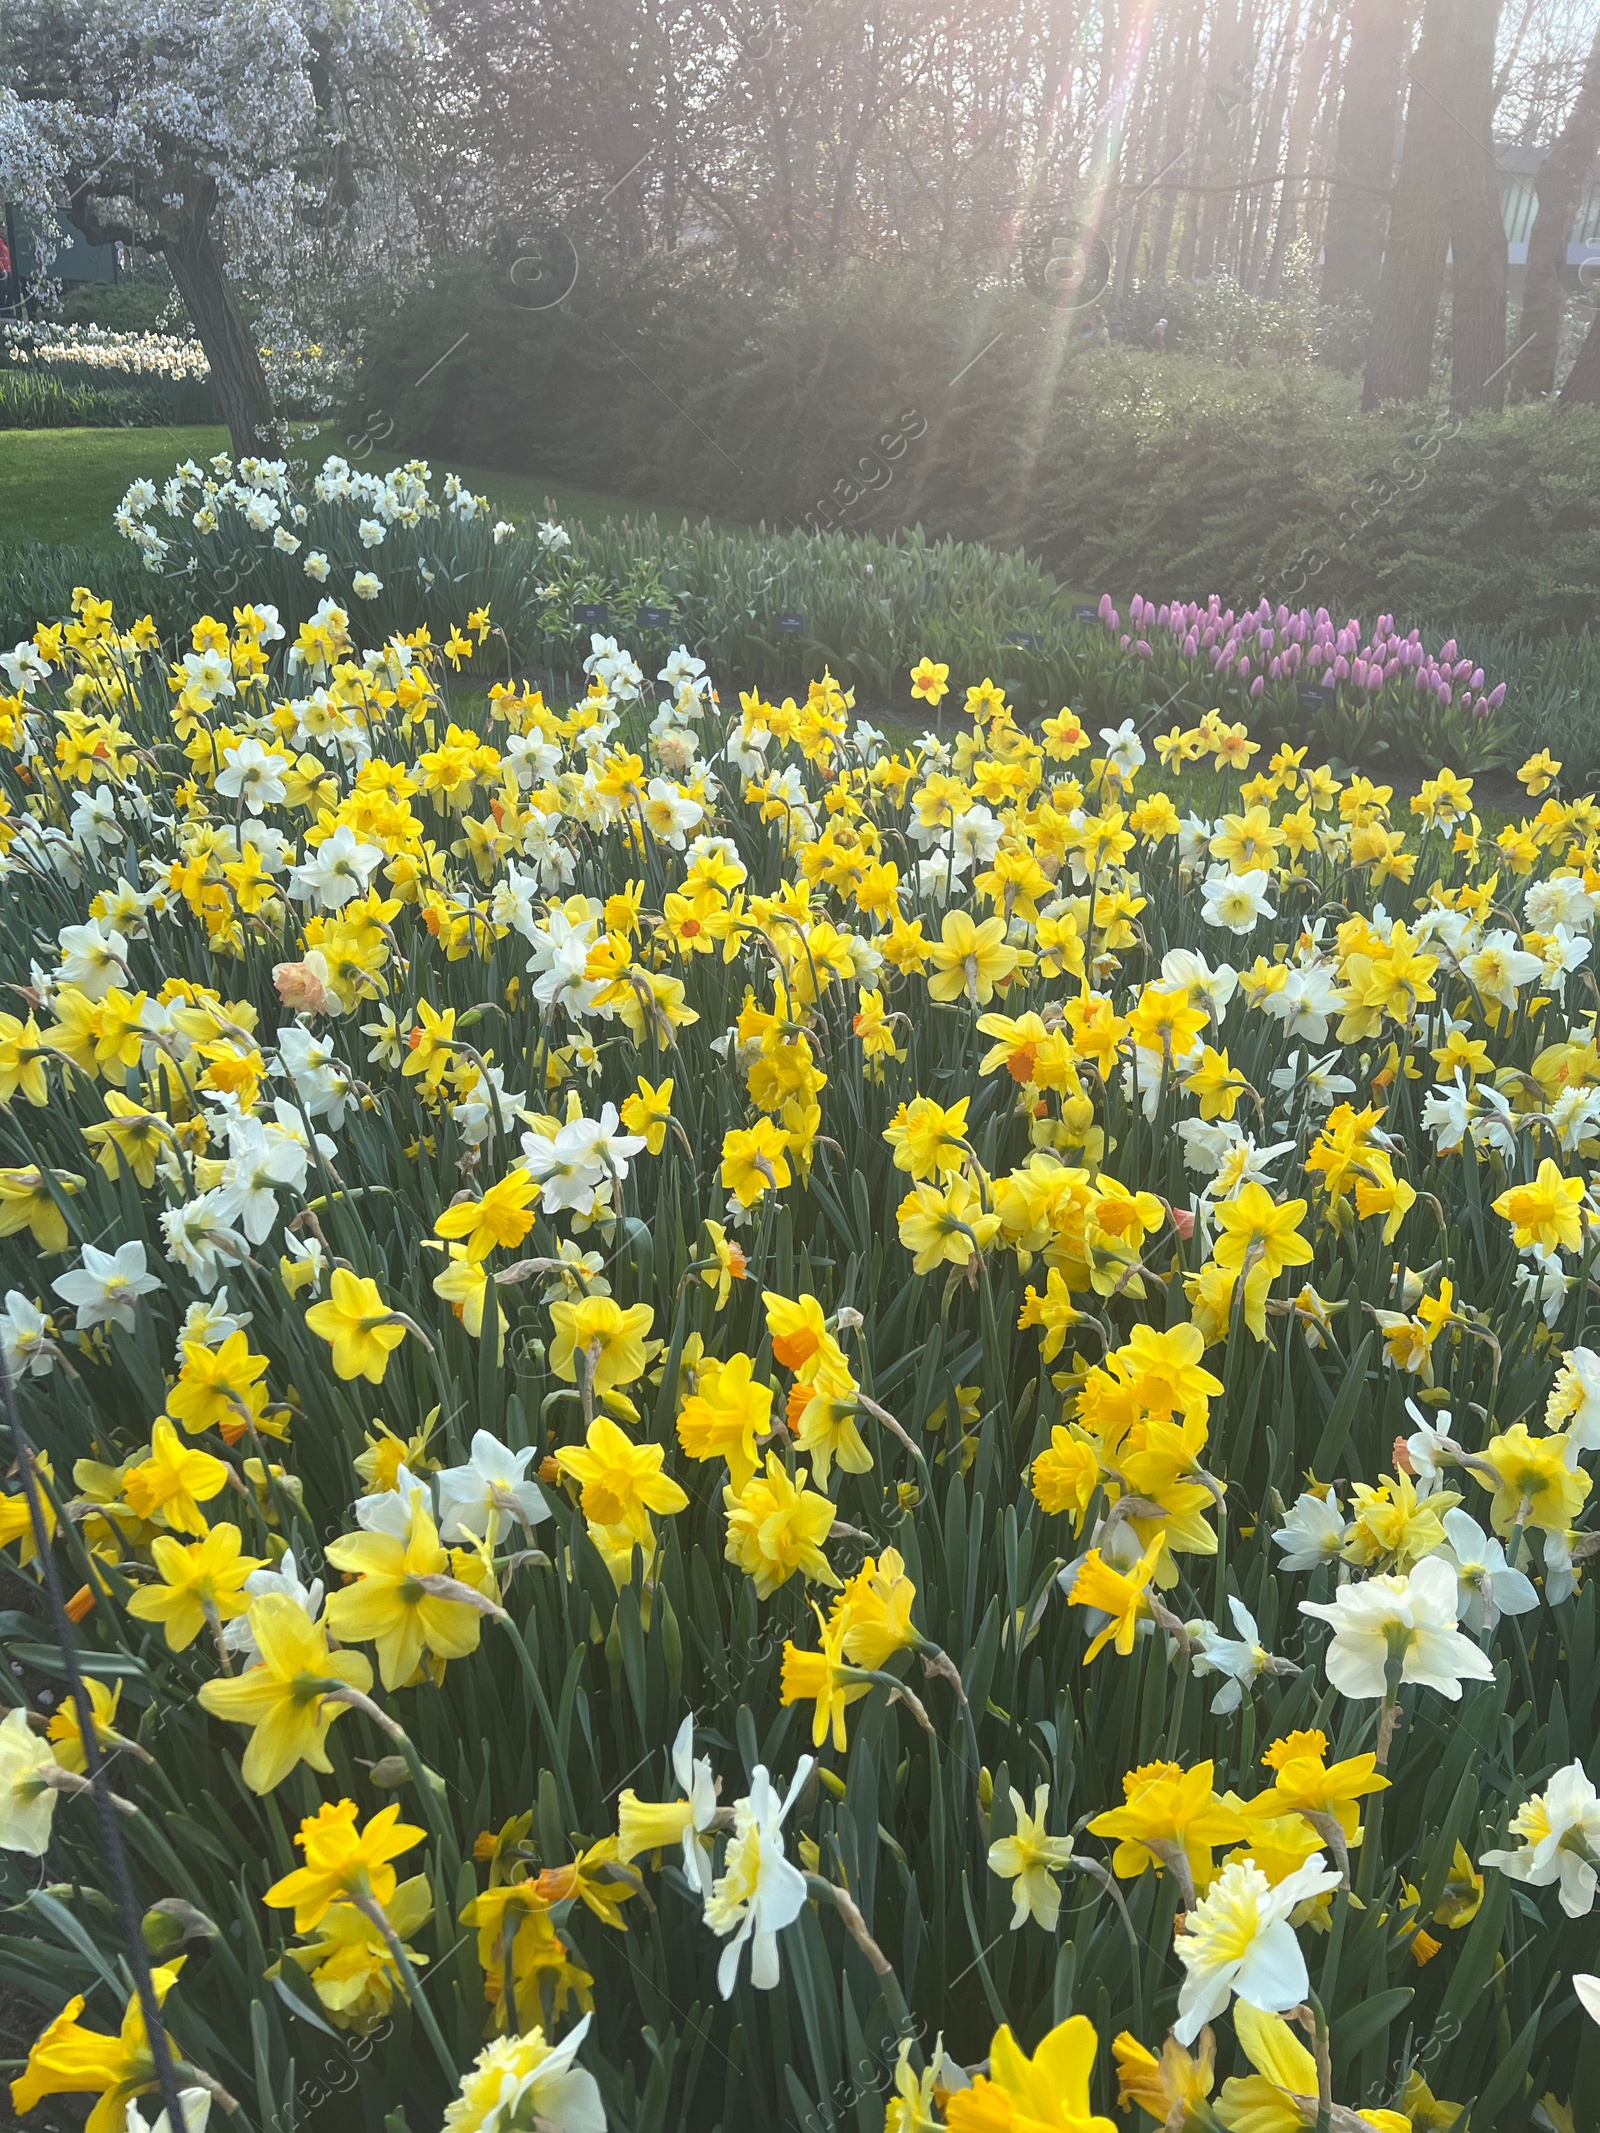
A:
(49, 345)
(256, 501)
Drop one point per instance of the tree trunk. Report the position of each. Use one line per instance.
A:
(1561, 182)
(1477, 221)
(1227, 94)
(1174, 135)
(1400, 355)
(241, 386)
(1582, 388)
(1369, 110)
(1302, 117)
(1269, 151)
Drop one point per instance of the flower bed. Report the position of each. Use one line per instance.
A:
(740, 1429)
(776, 608)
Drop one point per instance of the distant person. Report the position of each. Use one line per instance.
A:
(1161, 336)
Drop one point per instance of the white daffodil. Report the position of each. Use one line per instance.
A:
(759, 1891)
(194, 2104)
(1575, 1117)
(1305, 1002)
(1212, 989)
(265, 1161)
(1031, 1860)
(1313, 1532)
(1238, 1941)
(1312, 1080)
(670, 814)
(252, 775)
(338, 870)
(27, 1337)
(1243, 1659)
(1560, 1832)
(599, 1144)
(1237, 901)
(201, 1239)
(1431, 1449)
(1413, 1616)
(523, 2081)
(1447, 1114)
(1486, 1585)
(208, 1322)
(320, 1079)
(389, 1510)
(1542, 1282)
(105, 1287)
(1499, 968)
(1574, 1403)
(652, 1825)
(475, 1115)
(1124, 750)
(92, 959)
(492, 1486)
(1561, 901)
(27, 1801)
(565, 1165)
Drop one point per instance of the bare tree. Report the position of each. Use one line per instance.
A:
(1561, 181)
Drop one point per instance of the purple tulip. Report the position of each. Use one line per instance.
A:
(1497, 696)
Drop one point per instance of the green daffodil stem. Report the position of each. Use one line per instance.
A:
(1323, 2053)
(374, 1911)
(429, 1783)
(855, 1925)
(541, 1704)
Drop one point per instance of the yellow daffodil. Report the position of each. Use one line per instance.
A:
(358, 1325)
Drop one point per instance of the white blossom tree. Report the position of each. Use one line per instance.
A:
(241, 140)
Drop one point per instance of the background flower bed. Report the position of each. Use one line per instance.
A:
(778, 607)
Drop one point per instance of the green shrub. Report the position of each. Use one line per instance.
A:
(143, 303)
(1114, 468)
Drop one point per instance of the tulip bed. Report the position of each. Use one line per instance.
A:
(742, 1429)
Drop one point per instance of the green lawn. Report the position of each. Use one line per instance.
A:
(63, 485)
